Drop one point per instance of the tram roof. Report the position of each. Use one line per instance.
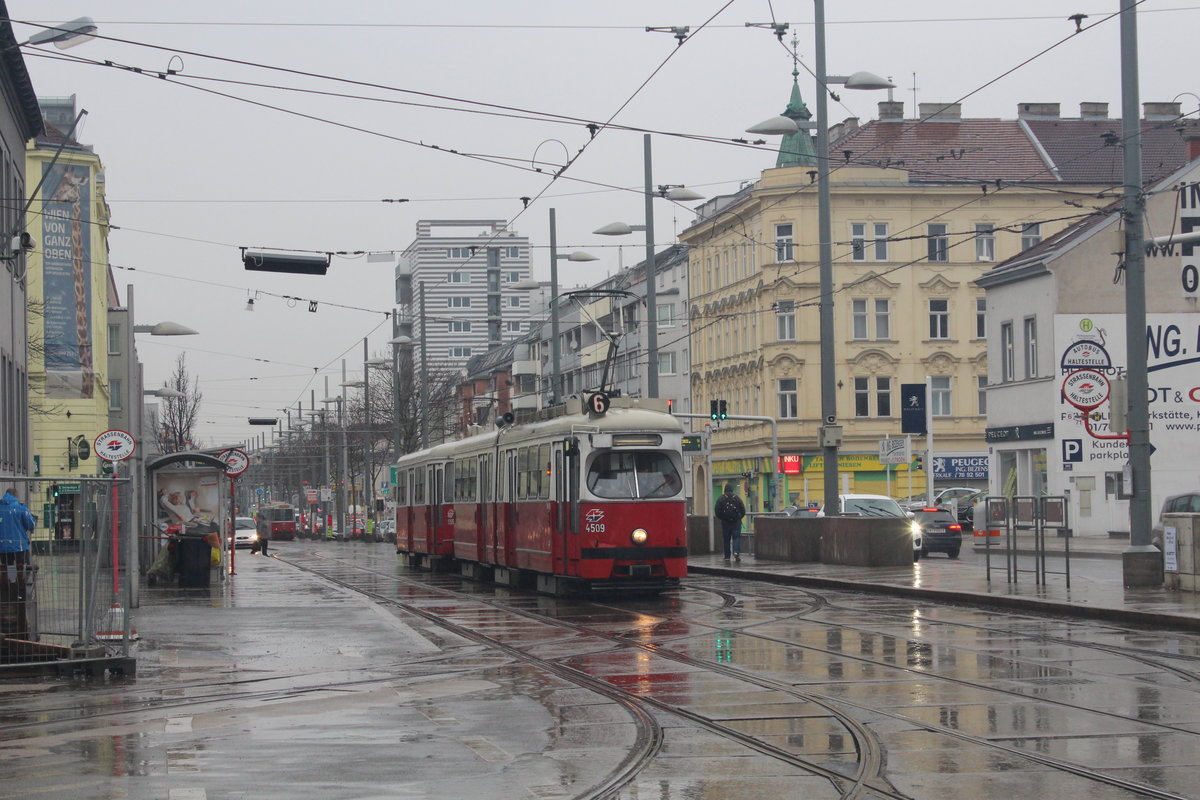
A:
(618, 419)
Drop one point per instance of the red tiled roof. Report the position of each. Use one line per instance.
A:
(979, 150)
(1082, 151)
(1077, 147)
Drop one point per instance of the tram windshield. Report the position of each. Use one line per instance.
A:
(634, 474)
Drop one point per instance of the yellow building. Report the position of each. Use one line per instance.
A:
(920, 209)
(70, 292)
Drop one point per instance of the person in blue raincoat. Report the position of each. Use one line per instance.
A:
(16, 523)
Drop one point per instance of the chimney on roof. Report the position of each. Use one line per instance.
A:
(1037, 110)
(846, 126)
(1093, 110)
(1160, 111)
(940, 112)
(891, 111)
(1191, 141)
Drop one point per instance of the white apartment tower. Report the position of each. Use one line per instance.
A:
(461, 270)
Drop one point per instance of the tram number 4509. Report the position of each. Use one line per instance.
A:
(594, 527)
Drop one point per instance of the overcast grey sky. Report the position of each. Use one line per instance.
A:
(192, 175)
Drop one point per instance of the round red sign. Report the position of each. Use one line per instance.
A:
(236, 461)
(114, 445)
(1085, 389)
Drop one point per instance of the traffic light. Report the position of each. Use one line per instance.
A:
(724, 412)
(713, 413)
(917, 463)
(54, 490)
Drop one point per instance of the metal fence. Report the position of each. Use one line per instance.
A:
(72, 599)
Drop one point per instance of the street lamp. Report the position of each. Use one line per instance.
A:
(368, 365)
(830, 433)
(555, 347)
(671, 192)
(135, 464)
(66, 35)
(341, 501)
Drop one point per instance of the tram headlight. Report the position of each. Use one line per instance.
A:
(639, 536)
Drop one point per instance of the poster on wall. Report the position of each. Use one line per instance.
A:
(67, 286)
(1097, 342)
(187, 503)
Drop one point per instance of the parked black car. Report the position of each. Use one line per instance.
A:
(940, 531)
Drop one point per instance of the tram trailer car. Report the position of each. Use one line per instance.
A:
(278, 521)
(586, 501)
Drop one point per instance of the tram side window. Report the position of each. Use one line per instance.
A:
(638, 474)
(418, 487)
(462, 485)
(401, 488)
(543, 468)
(523, 473)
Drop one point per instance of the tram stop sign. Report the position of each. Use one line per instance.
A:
(1085, 389)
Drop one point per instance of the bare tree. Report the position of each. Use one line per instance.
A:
(178, 424)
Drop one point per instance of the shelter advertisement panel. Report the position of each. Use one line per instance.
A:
(187, 501)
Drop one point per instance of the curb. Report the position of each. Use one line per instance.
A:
(1148, 619)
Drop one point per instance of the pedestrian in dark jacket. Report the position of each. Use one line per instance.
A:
(730, 510)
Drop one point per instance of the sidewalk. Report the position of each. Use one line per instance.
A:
(1096, 589)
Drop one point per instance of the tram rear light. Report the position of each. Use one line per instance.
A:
(639, 536)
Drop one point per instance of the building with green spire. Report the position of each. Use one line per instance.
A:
(796, 149)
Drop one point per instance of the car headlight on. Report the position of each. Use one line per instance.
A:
(639, 536)
(916, 529)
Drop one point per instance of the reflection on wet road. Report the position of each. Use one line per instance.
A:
(338, 672)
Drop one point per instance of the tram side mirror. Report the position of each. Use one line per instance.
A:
(571, 447)
(505, 419)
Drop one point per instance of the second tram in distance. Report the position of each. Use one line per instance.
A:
(589, 500)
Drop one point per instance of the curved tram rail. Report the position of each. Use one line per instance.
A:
(867, 778)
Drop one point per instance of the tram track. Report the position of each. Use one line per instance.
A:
(871, 756)
(867, 779)
(1147, 658)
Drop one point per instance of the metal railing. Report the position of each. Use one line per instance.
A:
(1035, 514)
(71, 598)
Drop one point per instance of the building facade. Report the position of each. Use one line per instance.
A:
(72, 390)
(1057, 309)
(20, 121)
(462, 272)
(920, 210)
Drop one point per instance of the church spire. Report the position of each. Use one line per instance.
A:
(796, 149)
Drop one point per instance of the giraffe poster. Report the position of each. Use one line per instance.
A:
(67, 285)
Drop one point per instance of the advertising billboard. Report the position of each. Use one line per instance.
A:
(67, 285)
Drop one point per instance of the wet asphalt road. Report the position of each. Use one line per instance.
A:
(334, 671)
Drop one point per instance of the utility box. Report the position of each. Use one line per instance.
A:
(1181, 561)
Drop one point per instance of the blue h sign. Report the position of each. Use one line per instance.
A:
(912, 408)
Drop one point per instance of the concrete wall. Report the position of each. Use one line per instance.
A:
(866, 542)
(697, 535)
(855, 541)
(787, 539)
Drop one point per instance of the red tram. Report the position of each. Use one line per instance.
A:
(583, 501)
(277, 521)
